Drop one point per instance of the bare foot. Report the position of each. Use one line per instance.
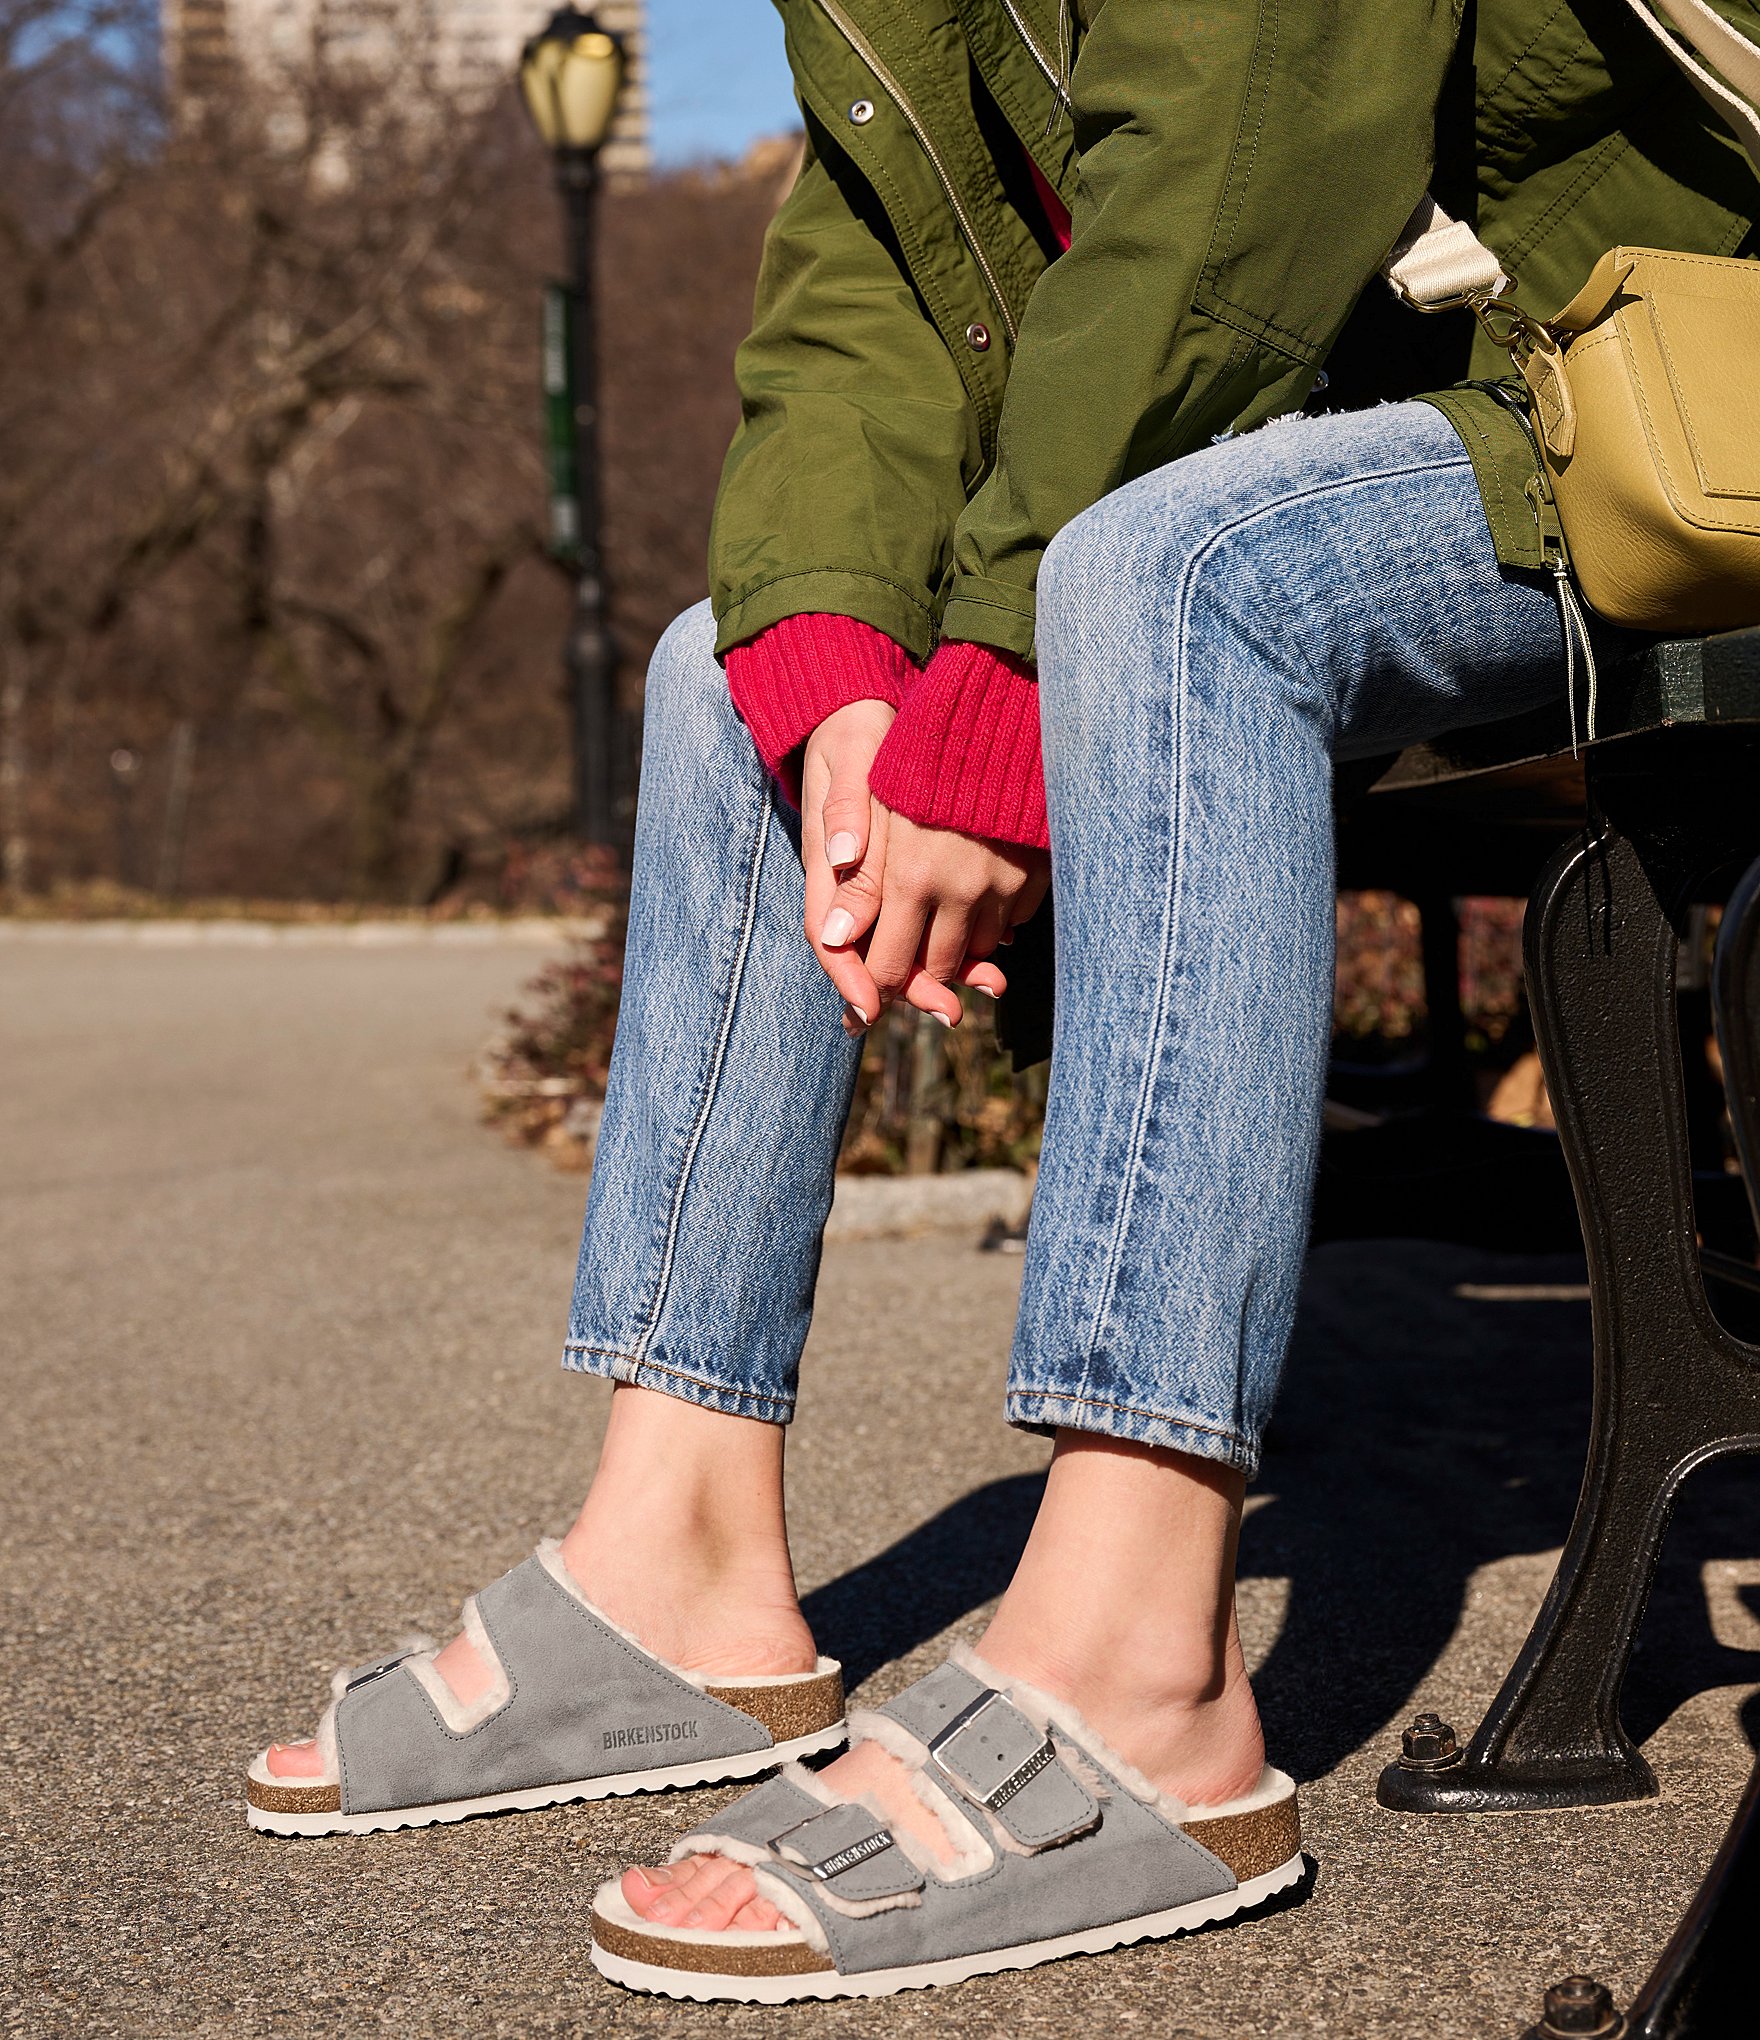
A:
(1122, 1607)
(681, 1541)
(709, 1891)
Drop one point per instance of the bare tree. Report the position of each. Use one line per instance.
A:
(270, 482)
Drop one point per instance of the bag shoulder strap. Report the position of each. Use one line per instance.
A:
(1715, 40)
(1438, 262)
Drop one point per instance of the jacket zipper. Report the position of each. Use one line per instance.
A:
(1053, 73)
(890, 85)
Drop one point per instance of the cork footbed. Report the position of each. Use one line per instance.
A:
(1250, 1845)
(800, 1707)
(786, 1955)
(789, 1710)
(293, 1798)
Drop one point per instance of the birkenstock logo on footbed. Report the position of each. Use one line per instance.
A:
(652, 1732)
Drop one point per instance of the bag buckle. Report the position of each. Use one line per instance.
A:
(1517, 332)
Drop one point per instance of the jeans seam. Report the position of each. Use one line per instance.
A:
(669, 1251)
(733, 1391)
(1100, 1402)
(1167, 958)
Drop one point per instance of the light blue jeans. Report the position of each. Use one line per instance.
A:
(1210, 638)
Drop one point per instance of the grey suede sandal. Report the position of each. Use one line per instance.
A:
(578, 1710)
(1060, 1848)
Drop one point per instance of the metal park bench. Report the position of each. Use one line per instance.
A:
(1660, 814)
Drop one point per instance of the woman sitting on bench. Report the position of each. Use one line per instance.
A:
(1009, 594)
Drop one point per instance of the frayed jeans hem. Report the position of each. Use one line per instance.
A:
(1047, 1410)
(612, 1365)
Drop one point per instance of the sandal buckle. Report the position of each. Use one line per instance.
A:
(1017, 1780)
(377, 1672)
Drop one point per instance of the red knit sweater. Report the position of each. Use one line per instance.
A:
(963, 751)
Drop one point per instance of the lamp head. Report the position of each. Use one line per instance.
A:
(571, 72)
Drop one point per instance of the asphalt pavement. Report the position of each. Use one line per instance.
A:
(279, 1329)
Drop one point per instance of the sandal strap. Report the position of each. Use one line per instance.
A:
(394, 1748)
(996, 1759)
(850, 1853)
(1135, 1862)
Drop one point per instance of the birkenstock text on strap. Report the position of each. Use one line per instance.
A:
(851, 1854)
(992, 1754)
(979, 1742)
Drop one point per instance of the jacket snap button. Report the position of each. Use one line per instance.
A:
(862, 112)
(978, 338)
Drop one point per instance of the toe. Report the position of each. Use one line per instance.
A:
(719, 1895)
(671, 1896)
(702, 1891)
(641, 1887)
(295, 1760)
(756, 1916)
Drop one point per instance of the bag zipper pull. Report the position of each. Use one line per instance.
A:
(1555, 557)
(1576, 631)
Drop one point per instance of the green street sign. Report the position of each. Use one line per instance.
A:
(558, 372)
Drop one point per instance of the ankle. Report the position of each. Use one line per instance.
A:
(1191, 1728)
(683, 1541)
(1159, 1680)
(1123, 1607)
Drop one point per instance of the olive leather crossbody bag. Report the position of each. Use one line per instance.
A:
(1644, 392)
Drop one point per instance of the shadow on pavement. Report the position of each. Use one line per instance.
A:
(1434, 1420)
(915, 1588)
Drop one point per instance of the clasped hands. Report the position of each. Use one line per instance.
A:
(896, 911)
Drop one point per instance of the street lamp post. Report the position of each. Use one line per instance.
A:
(570, 73)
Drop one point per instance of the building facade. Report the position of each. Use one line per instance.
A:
(467, 49)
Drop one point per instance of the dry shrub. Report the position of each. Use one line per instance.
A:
(1380, 984)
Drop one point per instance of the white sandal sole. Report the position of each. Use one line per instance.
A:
(704, 1987)
(723, 1770)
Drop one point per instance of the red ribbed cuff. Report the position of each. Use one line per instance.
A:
(789, 678)
(964, 752)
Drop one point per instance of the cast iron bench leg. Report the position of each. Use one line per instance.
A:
(1735, 1007)
(1702, 1987)
(1672, 1388)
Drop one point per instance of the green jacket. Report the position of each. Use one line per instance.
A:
(926, 400)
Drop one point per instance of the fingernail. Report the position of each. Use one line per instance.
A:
(942, 1017)
(840, 925)
(842, 849)
(861, 1016)
(985, 989)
